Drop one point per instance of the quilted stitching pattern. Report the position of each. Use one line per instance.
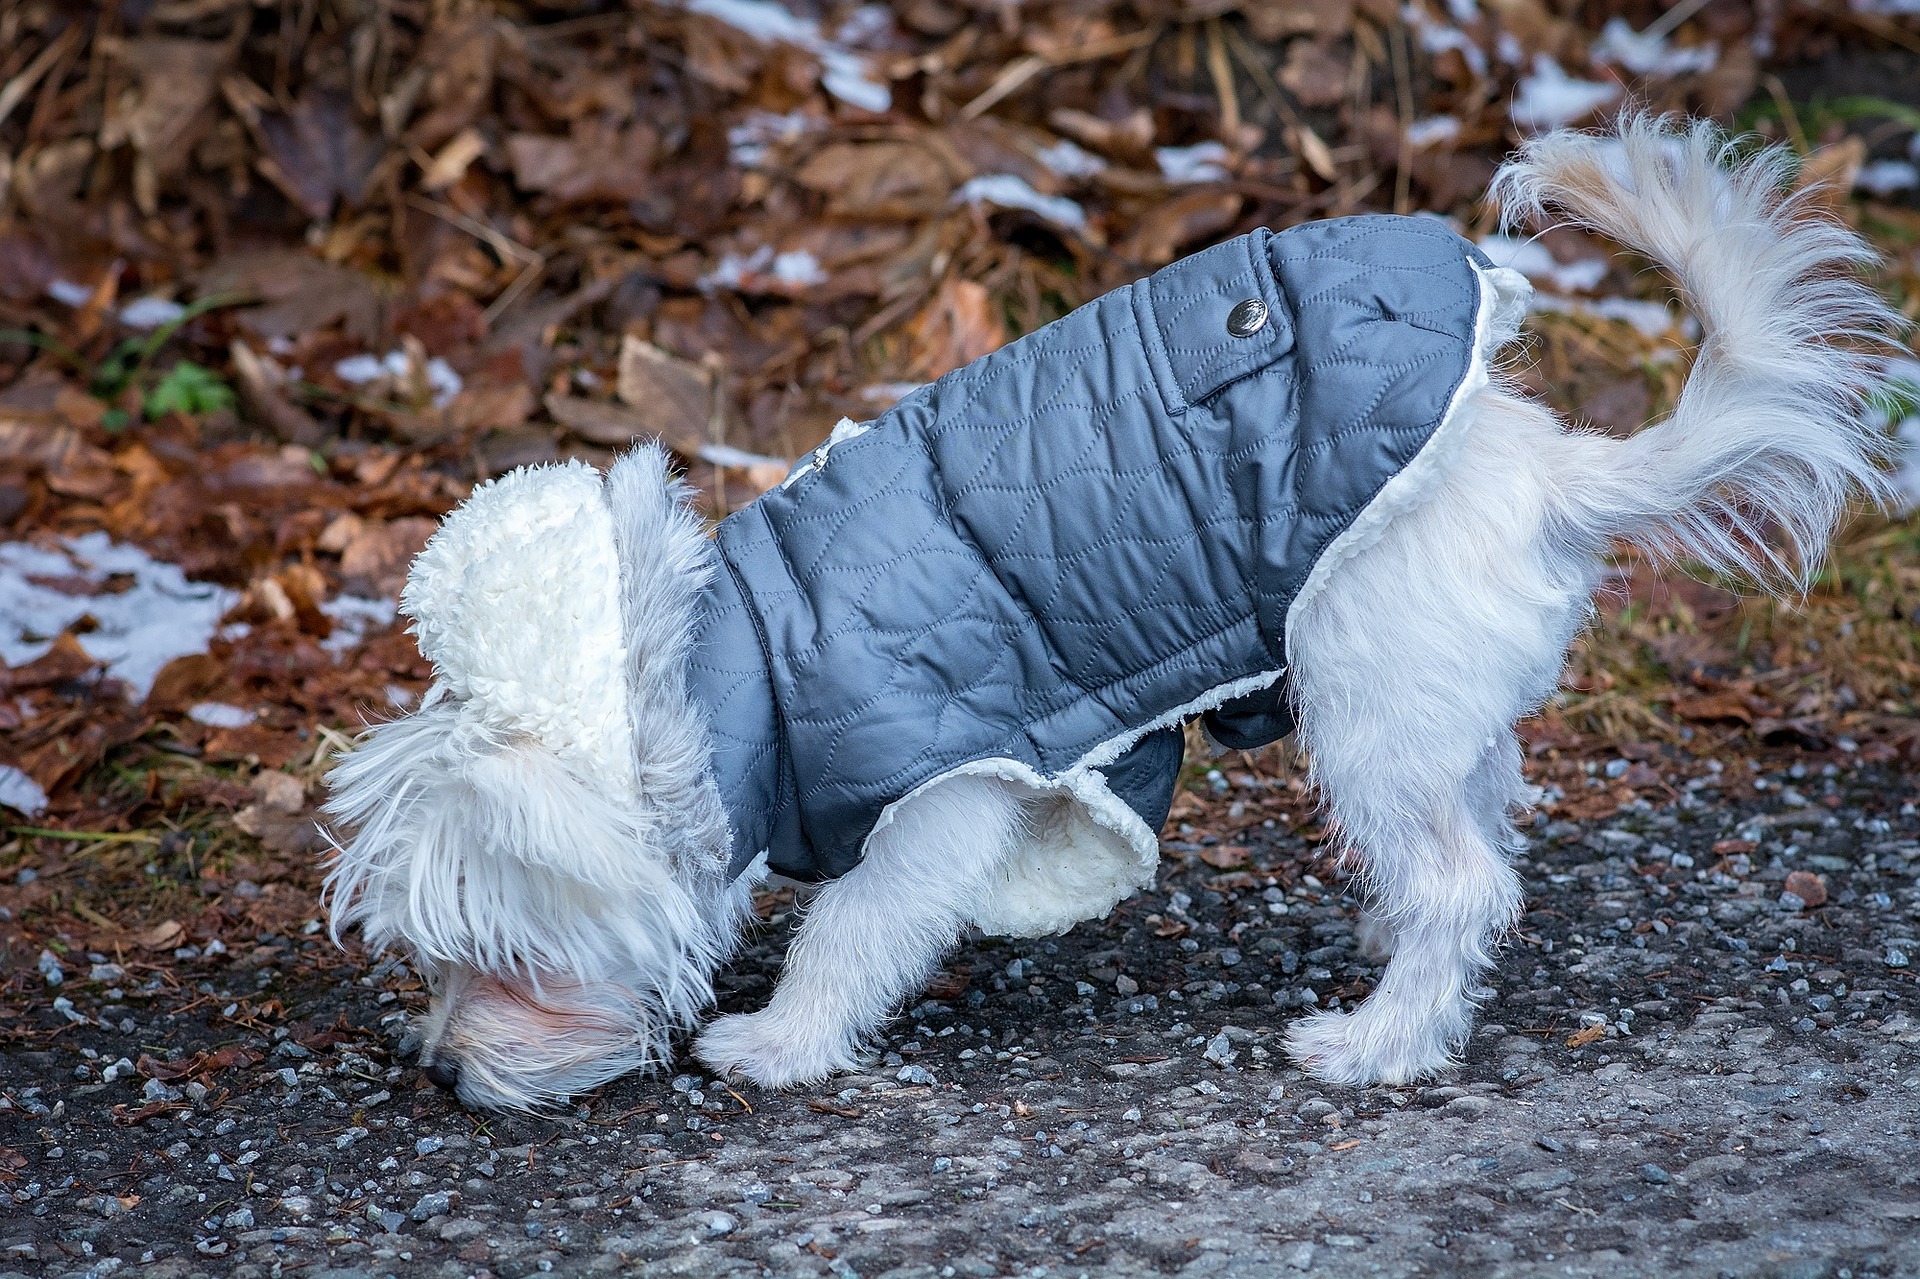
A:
(1065, 540)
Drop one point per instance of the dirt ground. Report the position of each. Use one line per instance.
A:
(1679, 1071)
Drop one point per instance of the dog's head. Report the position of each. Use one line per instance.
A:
(541, 836)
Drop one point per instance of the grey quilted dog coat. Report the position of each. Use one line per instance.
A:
(1038, 566)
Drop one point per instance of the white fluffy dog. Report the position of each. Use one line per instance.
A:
(545, 836)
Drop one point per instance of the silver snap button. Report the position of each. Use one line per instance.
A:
(1248, 318)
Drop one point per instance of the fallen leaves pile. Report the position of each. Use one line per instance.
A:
(279, 283)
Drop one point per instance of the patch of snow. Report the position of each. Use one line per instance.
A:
(1652, 319)
(67, 293)
(889, 393)
(727, 455)
(1906, 476)
(1531, 259)
(159, 617)
(1202, 162)
(798, 269)
(1437, 37)
(21, 793)
(1010, 192)
(1432, 131)
(843, 72)
(1887, 177)
(765, 271)
(220, 715)
(353, 616)
(150, 313)
(1070, 160)
(1550, 97)
(1463, 11)
(1904, 373)
(1621, 45)
(359, 370)
(867, 25)
(760, 131)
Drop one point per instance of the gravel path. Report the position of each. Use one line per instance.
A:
(1745, 1101)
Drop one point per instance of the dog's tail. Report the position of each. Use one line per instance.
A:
(545, 810)
(1771, 428)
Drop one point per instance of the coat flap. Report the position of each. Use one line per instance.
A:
(1184, 309)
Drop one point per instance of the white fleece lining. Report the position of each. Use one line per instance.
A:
(1101, 854)
(1503, 297)
(1108, 853)
(845, 429)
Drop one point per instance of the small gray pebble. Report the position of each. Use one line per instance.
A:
(1655, 1174)
(433, 1204)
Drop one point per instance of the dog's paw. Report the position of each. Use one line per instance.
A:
(1353, 1048)
(766, 1051)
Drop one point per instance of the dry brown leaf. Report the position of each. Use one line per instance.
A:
(1172, 224)
(1587, 1035)
(66, 660)
(601, 422)
(1710, 707)
(170, 107)
(292, 833)
(1271, 23)
(956, 328)
(1225, 856)
(164, 936)
(669, 397)
(490, 408)
(1318, 155)
(184, 681)
(375, 559)
(262, 388)
(1828, 174)
(879, 179)
(1808, 887)
(595, 163)
(1128, 139)
(317, 153)
(449, 164)
(458, 60)
(1315, 72)
(301, 294)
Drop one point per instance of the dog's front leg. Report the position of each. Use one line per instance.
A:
(873, 937)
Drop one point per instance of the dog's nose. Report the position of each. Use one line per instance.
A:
(443, 1072)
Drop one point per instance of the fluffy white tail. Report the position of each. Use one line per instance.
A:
(1772, 428)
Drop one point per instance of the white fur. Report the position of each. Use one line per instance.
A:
(544, 836)
(872, 937)
(1411, 667)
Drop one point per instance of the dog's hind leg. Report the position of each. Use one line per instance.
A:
(1444, 892)
(874, 936)
(1408, 670)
